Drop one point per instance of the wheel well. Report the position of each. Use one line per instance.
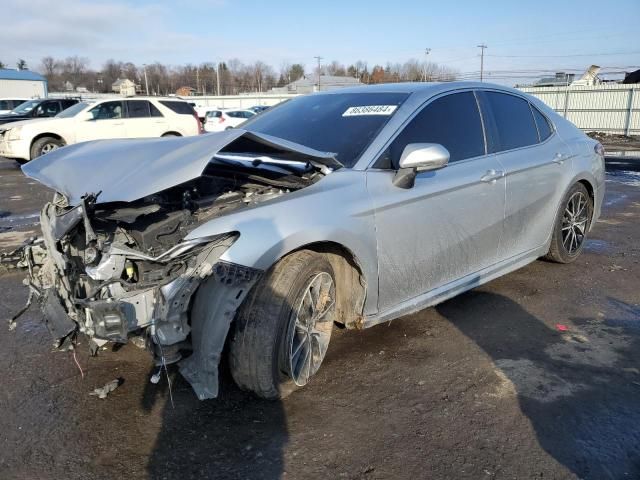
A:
(589, 188)
(166, 134)
(351, 285)
(42, 135)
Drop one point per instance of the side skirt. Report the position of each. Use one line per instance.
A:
(445, 292)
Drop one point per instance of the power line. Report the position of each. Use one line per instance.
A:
(565, 56)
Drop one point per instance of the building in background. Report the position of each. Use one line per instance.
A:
(124, 87)
(186, 92)
(22, 84)
(309, 84)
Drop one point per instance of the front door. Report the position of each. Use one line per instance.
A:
(449, 224)
(107, 122)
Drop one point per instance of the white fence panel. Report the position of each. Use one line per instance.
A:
(611, 108)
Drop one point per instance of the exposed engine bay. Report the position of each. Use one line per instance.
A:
(122, 269)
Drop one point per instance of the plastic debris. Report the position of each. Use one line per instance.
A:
(102, 392)
(561, 328)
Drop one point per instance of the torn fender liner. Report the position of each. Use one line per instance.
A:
(129, 169)
(58, 322)
(214, 308)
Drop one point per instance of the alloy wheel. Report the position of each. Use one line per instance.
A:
(574, 222)
(310, 330)
(48, 147)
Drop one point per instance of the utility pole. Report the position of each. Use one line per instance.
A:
(197, 79)
(318, 58)
(424, 69)
(146, 82)
(482, 46)
(218, 78)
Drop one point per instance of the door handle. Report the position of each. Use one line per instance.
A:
(560, 158)
(492, 175)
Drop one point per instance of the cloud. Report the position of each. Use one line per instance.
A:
(95, 29)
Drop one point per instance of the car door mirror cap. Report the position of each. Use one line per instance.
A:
(424, 156)
(419, 157)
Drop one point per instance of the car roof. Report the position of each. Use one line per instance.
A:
(423, 88)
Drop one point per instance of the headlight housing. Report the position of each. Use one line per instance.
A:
(14, 133)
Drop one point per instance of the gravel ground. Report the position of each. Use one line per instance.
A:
(481, 386)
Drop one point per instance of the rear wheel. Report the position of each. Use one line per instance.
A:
(171, 134)
(283, 330)
(45, 145)
(572, 224)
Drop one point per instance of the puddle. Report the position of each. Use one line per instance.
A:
(625, 177)
(9, 222)
(596, 246)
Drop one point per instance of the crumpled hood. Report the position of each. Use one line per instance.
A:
(127, 170)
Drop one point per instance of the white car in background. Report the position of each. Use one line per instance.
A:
(8, 104)
(122, 118)
(219, 120)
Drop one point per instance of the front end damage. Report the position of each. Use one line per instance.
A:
(122, 270)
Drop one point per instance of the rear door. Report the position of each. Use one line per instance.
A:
(107, 122)
(536, 161)
(144, 120)
(449, 224)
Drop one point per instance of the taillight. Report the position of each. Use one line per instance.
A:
(599, 149)
(200, 127)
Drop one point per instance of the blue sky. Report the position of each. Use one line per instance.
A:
(520, 35)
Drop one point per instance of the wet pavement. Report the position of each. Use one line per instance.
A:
(534, 375)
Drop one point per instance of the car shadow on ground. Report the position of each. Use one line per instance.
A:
(578, 388)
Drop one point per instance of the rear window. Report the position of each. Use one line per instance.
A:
(544, 129)
(138, 108)
(341, 123)
(182, 108)
(513, 119)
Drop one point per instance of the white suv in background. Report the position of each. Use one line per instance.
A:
(121, 118)
(219, 120)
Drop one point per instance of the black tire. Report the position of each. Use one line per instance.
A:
(229, 128)
(260, 347)
(45, 143)
(565, 245)
(171, 134)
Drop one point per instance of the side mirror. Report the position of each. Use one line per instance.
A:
(419, 157)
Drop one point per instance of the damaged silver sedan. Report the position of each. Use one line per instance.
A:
(351, 207)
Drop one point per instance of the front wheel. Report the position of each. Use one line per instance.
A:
(283, 329)
(572, 224)
(45, 145)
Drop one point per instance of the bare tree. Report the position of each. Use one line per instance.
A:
(21, 64)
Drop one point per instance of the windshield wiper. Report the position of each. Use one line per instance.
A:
(287, 165)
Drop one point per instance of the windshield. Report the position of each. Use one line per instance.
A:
(25, 107)
(73, 110)
(330, 123)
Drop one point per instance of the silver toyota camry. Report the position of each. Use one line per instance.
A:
(350, 207)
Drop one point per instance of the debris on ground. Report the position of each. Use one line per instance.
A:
(102, 392)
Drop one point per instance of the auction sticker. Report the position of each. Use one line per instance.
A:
(369, 110)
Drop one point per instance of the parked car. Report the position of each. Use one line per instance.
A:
(37, 108)
(258, 108)
(355, 206)
(219, 120)
(8, 104)
(122, 118)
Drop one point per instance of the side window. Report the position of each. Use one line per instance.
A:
(452, 121)
(48, 109)
(107, 111)
(154, 110)
(544, 129)
(4, 105)
(233, 114)
(514, 120)
(67, 103)
(138, 109)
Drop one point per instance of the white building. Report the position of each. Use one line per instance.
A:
(22, 84)
(124, 87)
